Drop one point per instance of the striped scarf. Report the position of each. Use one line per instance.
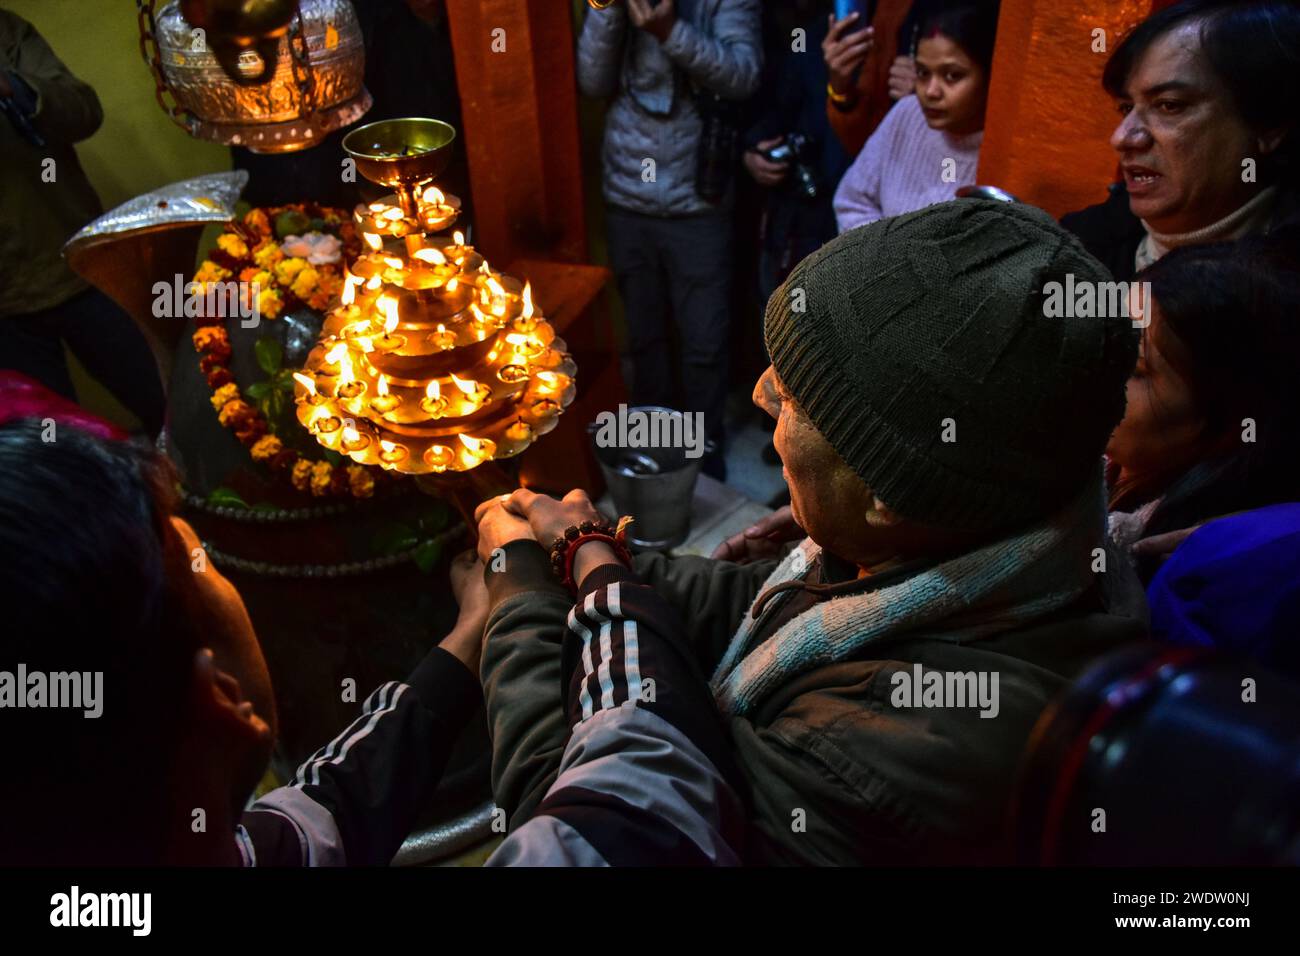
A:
(1009, 583)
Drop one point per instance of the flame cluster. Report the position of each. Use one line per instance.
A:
(432, 361)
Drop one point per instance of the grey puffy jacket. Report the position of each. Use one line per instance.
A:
(653, 115)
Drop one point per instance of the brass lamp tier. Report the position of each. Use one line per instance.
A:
(432, 362)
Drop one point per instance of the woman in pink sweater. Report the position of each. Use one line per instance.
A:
(928, 144)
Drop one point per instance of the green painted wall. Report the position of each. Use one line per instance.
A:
(138, 148)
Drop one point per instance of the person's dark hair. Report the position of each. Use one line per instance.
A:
(1253, 46)
(94, 579)
(971, 24)
(1228, 325)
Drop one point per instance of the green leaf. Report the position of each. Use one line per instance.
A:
(333, 457)
(226, 497)
(258, 391)
(427, 554)
(291, 223)
(394, 538)
(265, 506)
(269, 355)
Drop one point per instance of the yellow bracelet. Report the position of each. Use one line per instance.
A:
(839, 99)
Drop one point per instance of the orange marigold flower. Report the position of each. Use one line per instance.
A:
(230, 243)
(360, 481)
(266, 448)
(321, 474)
(258, 221)
(208, 337)
(235, 412)
(301, 476)
(226, 393)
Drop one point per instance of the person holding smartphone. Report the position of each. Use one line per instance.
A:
(868, 52)
(929, 143)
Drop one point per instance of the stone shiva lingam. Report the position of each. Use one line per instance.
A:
(433, 362)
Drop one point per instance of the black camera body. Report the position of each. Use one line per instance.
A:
(794, 149)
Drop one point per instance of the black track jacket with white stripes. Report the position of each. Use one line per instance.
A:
(646, 777)
(354, 801)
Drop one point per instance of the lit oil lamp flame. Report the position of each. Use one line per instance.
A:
(434, 195)
(495, 286)
(378, 206)
(432, 256)
(391, 453)
(479, 448)
(353, 440)
(548, 382)
(432, 391)
(392, 214)
(373, 240)
(306, 382)
(389, 307)
(382, 387)
(469, 387)
(374, 282)
(528, 300)
(346, 374)
(393, 262)
(451, 284)
(439, 457)
(349, 293)
(336, 355)
(458, 238)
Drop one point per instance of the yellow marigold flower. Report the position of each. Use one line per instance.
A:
(288, 270)
(360, 481)
(269, 303)
(209, 271)
(305, 283)
(265, 448)
(267, 255)
(226, 393)
(321, 474)
(232, 244)
(301, 476)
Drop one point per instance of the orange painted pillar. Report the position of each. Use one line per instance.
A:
(1048, 126)
(519, 106)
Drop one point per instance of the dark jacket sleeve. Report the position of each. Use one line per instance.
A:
(66, 109)
(521, 668)
(647, 777)
(521, 676)
(712, 596)
(355, 800)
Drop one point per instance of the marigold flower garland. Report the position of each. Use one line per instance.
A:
(300, 270)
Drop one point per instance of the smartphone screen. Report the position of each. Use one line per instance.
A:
(866, 9)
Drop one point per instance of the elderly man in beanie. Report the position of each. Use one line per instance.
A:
(942, 439)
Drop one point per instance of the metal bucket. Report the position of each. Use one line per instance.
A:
(653, 484)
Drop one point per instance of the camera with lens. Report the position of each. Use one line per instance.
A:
(794, 150)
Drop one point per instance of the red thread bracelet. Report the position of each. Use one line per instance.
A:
(566, 546)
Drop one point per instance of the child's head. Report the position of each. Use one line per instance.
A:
(98, 578)
(954, 56)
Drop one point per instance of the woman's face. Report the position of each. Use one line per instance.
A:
(1180, 140)
(1162, 427)
(953, 88)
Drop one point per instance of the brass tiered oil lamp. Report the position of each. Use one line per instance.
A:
(433, 363)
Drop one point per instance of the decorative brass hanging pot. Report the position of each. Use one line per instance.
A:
(272, 75)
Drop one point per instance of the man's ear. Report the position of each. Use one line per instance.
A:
(220, 700)
(879, 515)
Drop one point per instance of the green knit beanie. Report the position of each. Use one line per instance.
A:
(921, 349)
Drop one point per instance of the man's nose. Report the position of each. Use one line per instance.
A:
(1130, 134)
